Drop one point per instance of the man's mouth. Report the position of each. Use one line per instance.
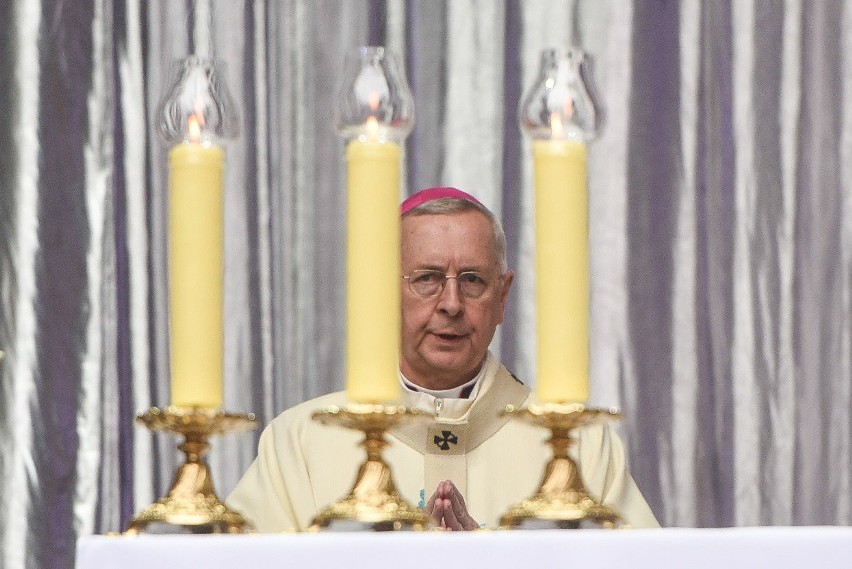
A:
(449, 337)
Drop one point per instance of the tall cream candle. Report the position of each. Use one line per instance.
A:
(562, 271)
(372, 272)
(196, 274)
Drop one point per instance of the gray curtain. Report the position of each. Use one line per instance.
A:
(719, 217)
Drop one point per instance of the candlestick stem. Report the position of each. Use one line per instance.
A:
(561, 500)
(191, 505)
(373, 503)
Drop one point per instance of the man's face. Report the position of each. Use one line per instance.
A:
(445, 337)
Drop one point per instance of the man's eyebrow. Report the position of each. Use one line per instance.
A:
(484, 268)
(443, 268)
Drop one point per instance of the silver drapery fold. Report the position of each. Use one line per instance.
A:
(844, 400)
(20, 247)
(678, 469)
(790, 101)
(821, 382)
(96, 411)
(135, 238)
(746, 414)
(719, 216)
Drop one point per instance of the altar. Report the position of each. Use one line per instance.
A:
(732, 548)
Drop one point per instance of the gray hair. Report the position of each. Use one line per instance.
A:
(457, 205)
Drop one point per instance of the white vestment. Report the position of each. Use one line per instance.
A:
(303, 466)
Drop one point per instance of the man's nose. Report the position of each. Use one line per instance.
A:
(450, 300)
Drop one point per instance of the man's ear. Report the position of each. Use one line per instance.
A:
(508, 278)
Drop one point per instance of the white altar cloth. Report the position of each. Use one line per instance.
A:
(769, 547)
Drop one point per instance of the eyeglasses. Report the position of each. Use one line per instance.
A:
(428, 283)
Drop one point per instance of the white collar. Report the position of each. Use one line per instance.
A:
(453, 392)
(446, 402)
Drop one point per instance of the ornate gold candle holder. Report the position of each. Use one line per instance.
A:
(373, 503)
(561, 500)
(191, 505)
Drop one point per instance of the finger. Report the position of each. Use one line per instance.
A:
(452, 492)
(451, 521)
(457, 502)
(434, 510)
(430, 505)
(460, 512)
(435, 519)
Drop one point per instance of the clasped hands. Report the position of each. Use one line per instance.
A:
(447, 509)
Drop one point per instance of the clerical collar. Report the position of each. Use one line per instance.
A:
(467, 390)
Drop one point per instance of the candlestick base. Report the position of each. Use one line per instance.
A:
(561, 500)
(191, 505)
(373, 503)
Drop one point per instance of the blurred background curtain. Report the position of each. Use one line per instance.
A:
(720, 235)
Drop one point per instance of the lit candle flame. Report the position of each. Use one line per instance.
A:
(372, 128)
(194, 128)
(556, 129)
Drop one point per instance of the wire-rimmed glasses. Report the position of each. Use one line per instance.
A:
(428, 283)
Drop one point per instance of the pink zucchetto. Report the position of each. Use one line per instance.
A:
(437, 193)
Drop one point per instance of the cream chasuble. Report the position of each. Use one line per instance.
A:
(495, 462)
(446, 441)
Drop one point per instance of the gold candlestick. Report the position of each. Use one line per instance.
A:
(373, 503)
(191, 505)
(561, 500)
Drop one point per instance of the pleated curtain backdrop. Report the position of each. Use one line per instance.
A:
(719, 216)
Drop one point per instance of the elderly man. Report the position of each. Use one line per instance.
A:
(472, 463)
